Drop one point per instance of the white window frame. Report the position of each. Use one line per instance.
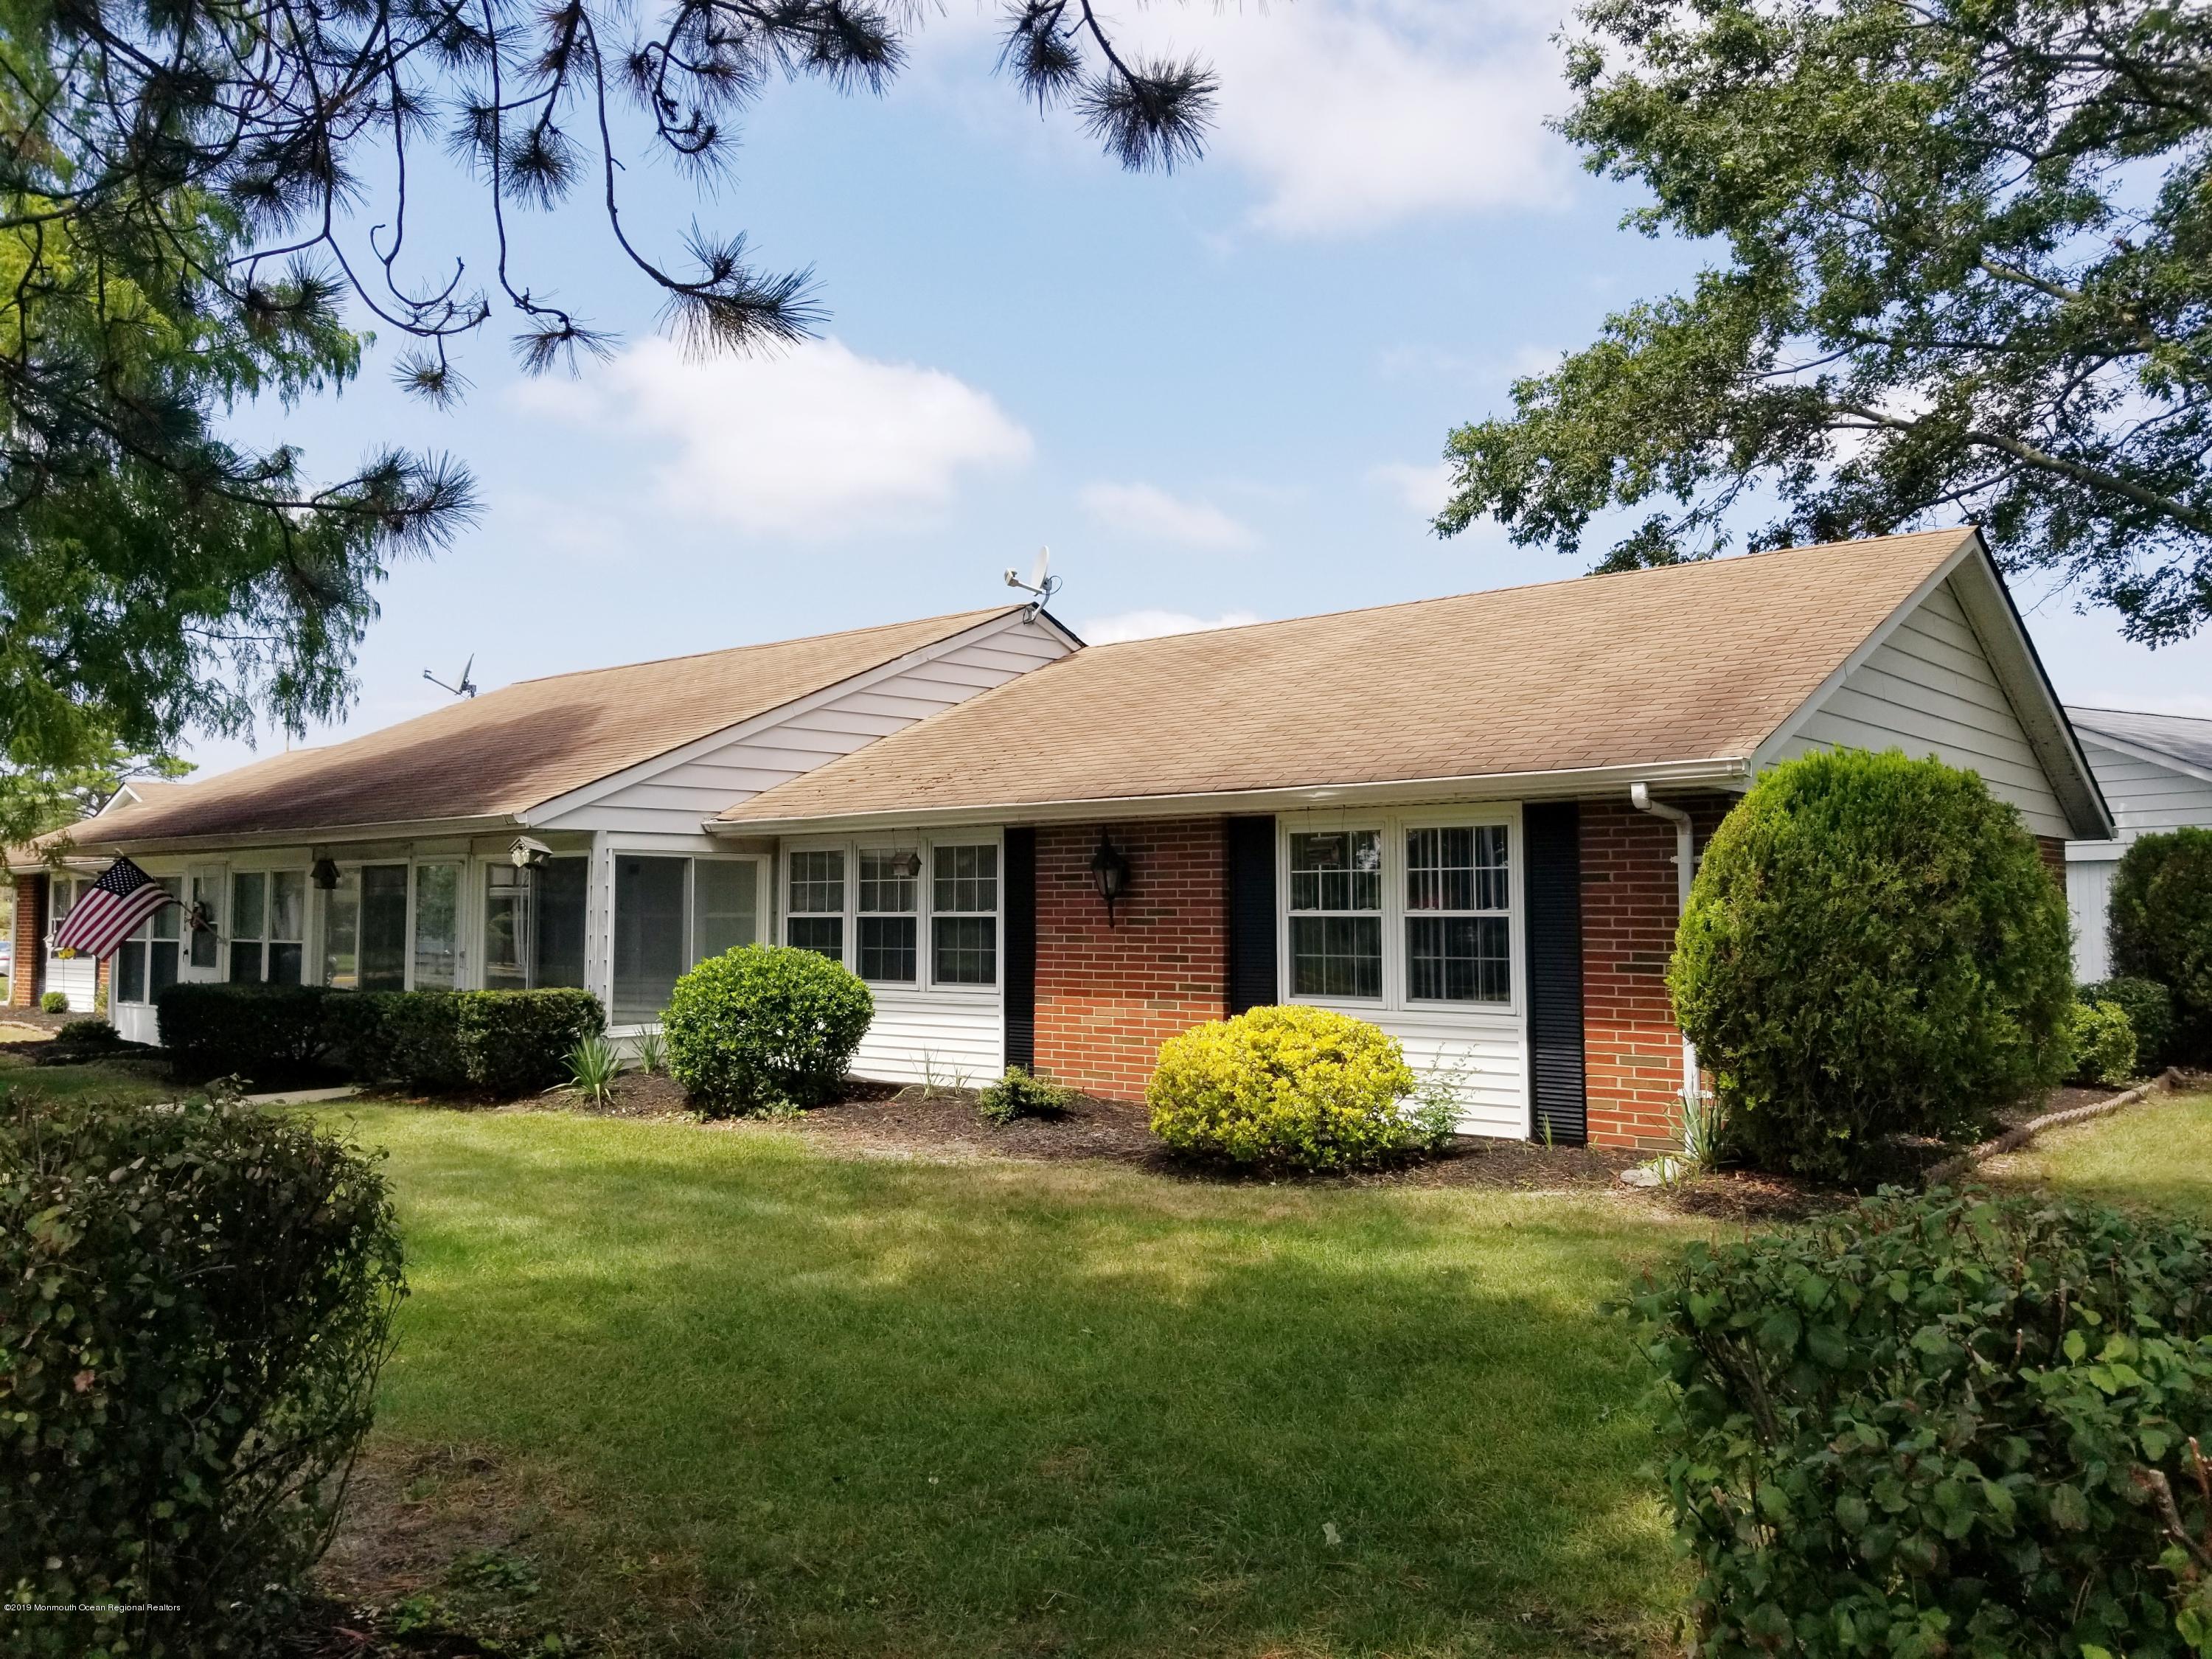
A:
(1405, 936)
(477, 898)
(924, 981)
(143, 937)
(600, 971)
(1346, 827)
(1393, 822)
(917, 910)
(310, 942)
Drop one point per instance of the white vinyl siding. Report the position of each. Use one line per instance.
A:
(676, 799)
(953, 1037)
(1929, 690)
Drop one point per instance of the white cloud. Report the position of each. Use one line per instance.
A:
(813, 443)
(1422, 488)
(1152, 624)
(1143, 509)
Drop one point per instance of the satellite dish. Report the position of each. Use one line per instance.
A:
(1041, 585)
(467, 688)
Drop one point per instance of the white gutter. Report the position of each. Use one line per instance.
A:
(1686, 869)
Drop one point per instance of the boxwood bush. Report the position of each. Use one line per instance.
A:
(194, 1302)
(2149, 1008)
(1873, 946)
(2100, 1044)
(518, 1042)
(2161, 928)
(763, 1027)
(1940, 1426)
(1304, 1088)
(266, 1034)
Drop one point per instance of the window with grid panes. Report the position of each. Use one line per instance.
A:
(1336, 913)
(963, 924)
(814, 907)
(1458, 933)
(885, 923)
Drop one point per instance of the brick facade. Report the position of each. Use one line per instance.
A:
(1108, 997)
(23, 986)
(2053, 849)
(1631, 1050)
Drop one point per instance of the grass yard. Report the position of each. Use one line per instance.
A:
(2160, 1153)
(120, 1082)
(778, 1401)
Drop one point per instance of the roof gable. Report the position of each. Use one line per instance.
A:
(2183, 742)
(1687, 662)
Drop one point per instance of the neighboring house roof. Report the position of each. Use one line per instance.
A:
(502, 753)
(2182, 739)
(1683, 666)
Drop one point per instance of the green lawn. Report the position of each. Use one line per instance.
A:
(789, 1403)
(120, 1083)
(2160, 1153)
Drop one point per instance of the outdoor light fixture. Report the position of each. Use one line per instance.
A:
(1109, 870)
(906, 864)
(528, 855)
(326, 873)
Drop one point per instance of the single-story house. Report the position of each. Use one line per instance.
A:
(1469, 819)
(2156, 771)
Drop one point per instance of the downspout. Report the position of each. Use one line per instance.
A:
(1686, 869)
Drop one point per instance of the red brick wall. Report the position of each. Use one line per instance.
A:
(2053, 849)
(1108, 997)
(23, 986)
(1631, 1050)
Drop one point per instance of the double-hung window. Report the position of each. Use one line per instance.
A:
(268, 925)
(146, 963)
(1336, 913)
(885, 919)
(963, 924)
(815, 908)
(1459, 933)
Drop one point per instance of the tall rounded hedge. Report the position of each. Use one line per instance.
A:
(2160, 927)
(764, 1026)
(1873, 946)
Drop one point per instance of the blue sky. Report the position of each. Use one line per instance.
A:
(1220, 395)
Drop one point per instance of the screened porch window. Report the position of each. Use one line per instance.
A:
(146, 963)
(1459, 938)
(268, 925)
(365, 929)
(1336, 914)
(534, 925)
(671, 913)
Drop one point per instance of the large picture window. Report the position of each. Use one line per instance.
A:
(670, 913)
(964, 928)
(1336, 914)
(1459, 934)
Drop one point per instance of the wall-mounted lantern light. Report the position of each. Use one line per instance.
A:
(325, 874)
(1109, 871)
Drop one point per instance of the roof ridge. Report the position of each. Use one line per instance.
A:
(1526, 587)
(761, 645)
(2136, 713)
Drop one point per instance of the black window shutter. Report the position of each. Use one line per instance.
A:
(1552, 831)
(1253, 979)
(1021, 949)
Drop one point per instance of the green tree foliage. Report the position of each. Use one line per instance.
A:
(2160, 927)
(1968, 274)
(1941, 1427)
(35, 800)
(194, 1302)
(200, 205)
(1873, 946)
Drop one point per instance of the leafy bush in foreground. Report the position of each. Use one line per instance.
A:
(1941, 1427)
(1303, 1087)
(1873, 946)
(2160, 927)
(1018, 1094)
(194, 1302)
(765, 1026)
(2102, 1043)
(2149, 1008)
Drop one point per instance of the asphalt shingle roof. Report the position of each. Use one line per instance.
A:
(2185, 737)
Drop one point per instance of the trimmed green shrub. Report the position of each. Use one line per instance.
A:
(2101, 1043)
(517, 1043)
(2149, 1009)
(1872, 947)
(1019, 1094)
(1927, 1426)
(54, 1002)
(1306, 1088)
(418, 1034)
(88, 1034)
(2160, 927)
(764, 1026)
(263, 1033)
(194, 1302)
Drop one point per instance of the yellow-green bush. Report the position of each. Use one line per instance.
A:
(1298, 1086)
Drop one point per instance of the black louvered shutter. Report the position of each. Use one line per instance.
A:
(1021, 949)
(1553, 834)
(1253, 979)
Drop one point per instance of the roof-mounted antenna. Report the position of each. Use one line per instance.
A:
(1042, 583)
(467, 688)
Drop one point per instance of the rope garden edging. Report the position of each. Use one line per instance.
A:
(2020, 1135)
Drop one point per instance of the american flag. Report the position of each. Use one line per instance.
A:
(109, 911)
